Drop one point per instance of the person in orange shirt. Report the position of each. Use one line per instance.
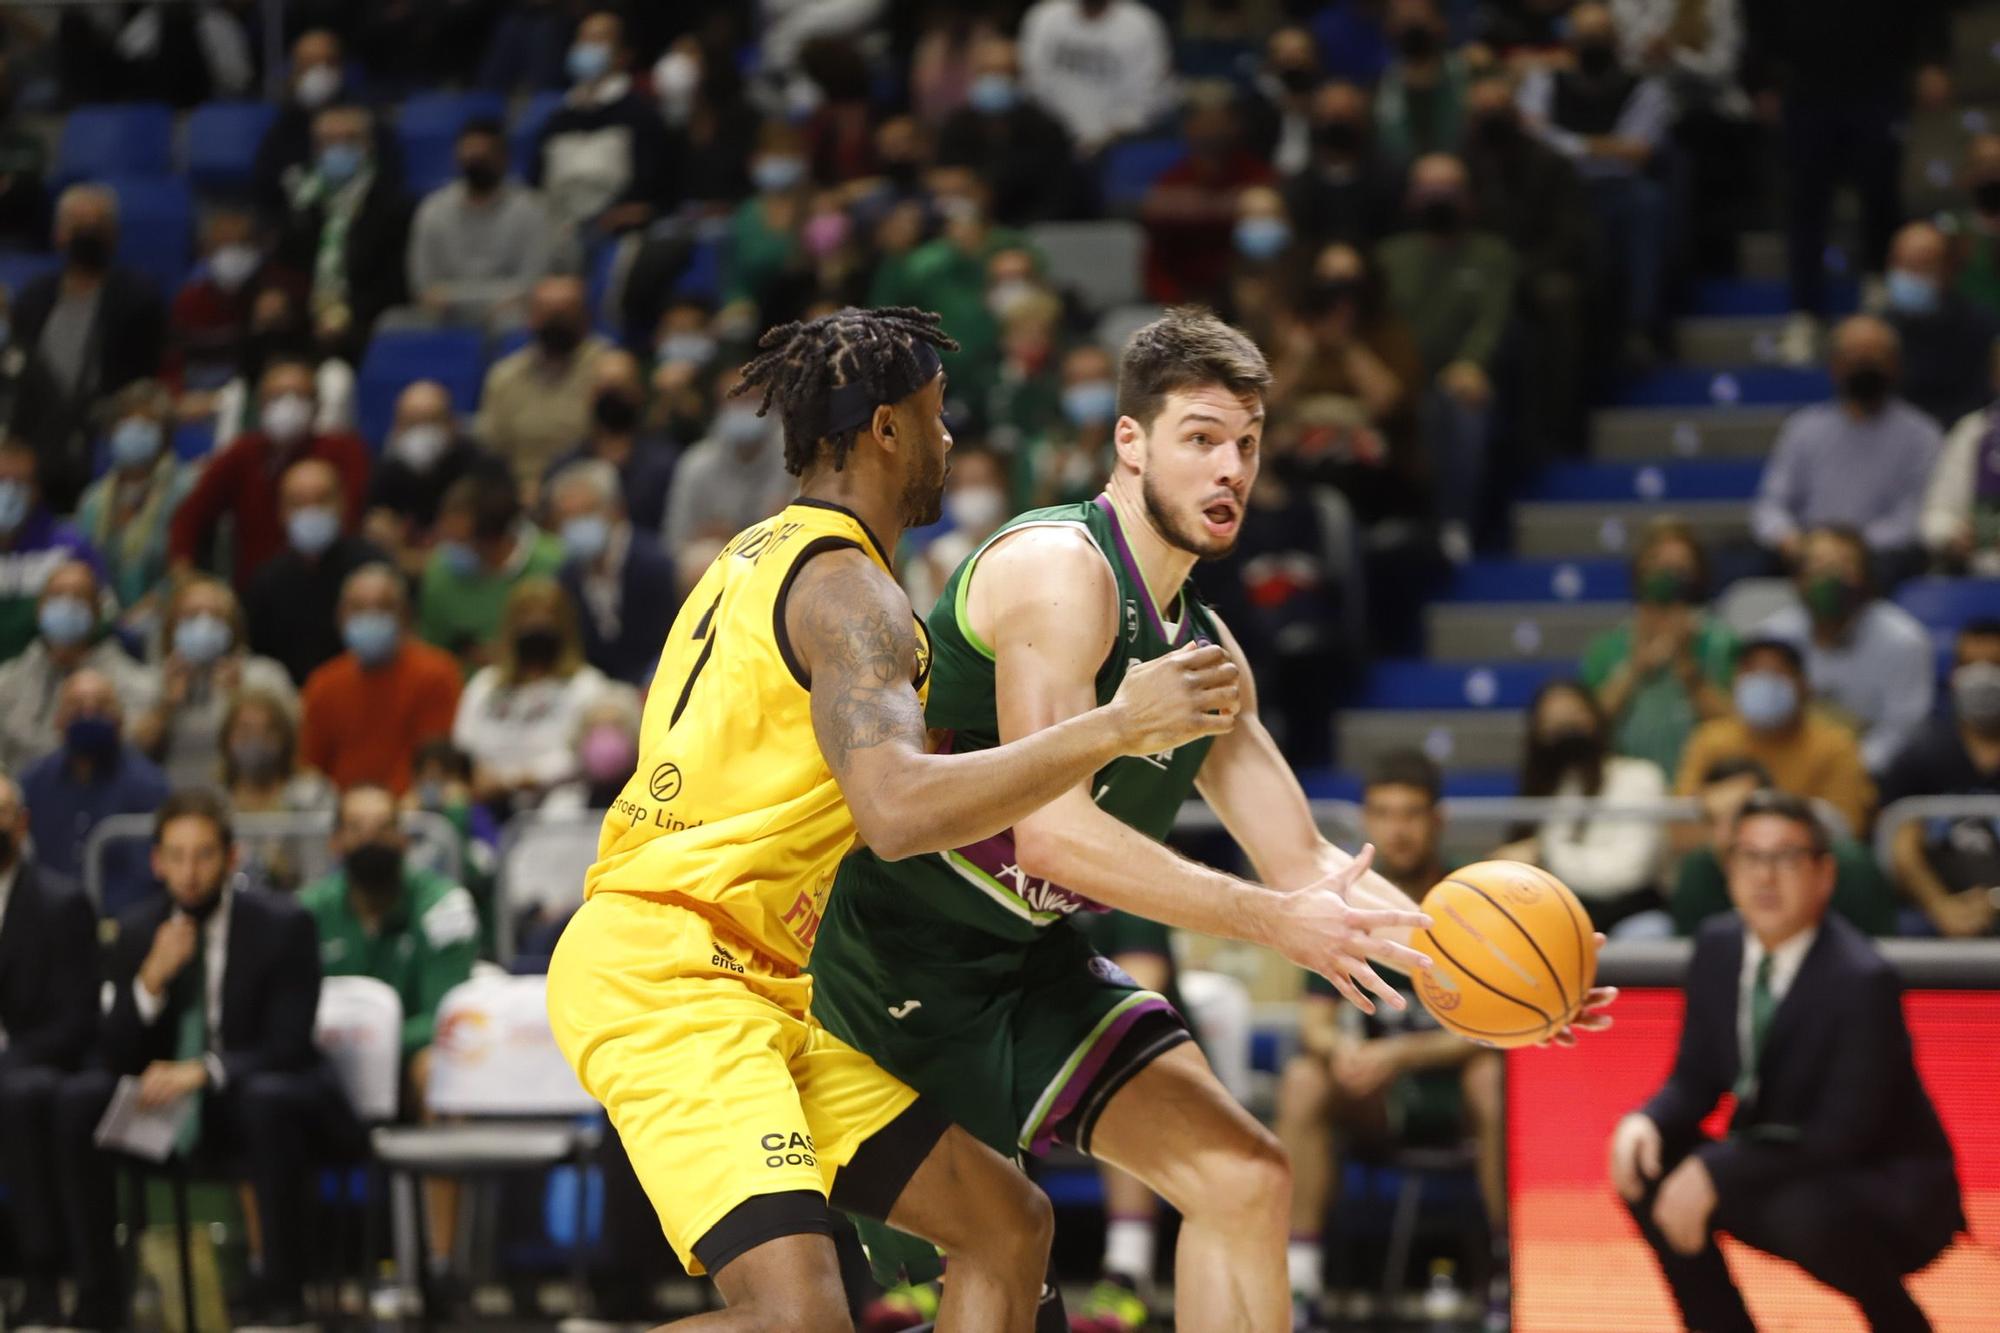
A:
(1805, 753)
(367, 711)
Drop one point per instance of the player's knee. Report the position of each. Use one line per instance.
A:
(1245, 1178)
(1305, 1091)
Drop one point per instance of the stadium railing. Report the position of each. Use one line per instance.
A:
(1915, 808)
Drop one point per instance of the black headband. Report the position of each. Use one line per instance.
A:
(852, 405)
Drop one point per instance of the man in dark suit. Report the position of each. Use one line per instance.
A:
(48, 1017)
(89, 328)
(616, 573)
(1835, 1158)
(215, 987)
(346, 232)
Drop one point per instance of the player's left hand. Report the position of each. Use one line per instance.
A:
(1593, 1017)
(1684, 1204)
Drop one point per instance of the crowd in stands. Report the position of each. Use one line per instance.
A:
(246, 548)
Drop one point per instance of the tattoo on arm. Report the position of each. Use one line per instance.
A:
(863, 653)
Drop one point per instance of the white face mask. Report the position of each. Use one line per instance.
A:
(287, 417)
(317, 86)
(975, 508)
(232, 265)
(421, 445)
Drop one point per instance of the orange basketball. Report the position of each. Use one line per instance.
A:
(1511, 950)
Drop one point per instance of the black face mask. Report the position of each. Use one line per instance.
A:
(481, 175)
(1343, 137)
(537, 649)
(559, 337)
(1441, 217)
(1568, 750)
(1986, 196)
(614, 411)
(1323, 296)
(1418, 42)
(1867, 387)
(1594, 60)
(375, 868)
(1297, 80)
(89, 249)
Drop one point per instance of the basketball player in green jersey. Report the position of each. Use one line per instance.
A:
(961, 972)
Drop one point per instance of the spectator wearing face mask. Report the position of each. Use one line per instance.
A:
(1868, 660)
(517, 716)
(1190, 211)
(205, 660)
(1974, 227)
(241, 482)
(93, 325)
(766, 232)
(732, 478)
(607, 751)
(1453, 283)
(364, 713)
(33, 544)
(70, 637)
(613, 571)
(277, 332)
(702, 100)
(975, 502)
(291, 602)
(1420, 102)
(1026, 401)
(1071, 461)
(605, 160)
(537, 401)
(1961, 514)
(127, 512)
(1265, 267)
(1277, 117)
(92, 774)
(486, 546)
(1949, 867)
(1668, 668)
(346, 234)
(1613, 864)
(618, 435)
(318, 81)
(1348, 189)
(210, 316)
(478, 243)
(1022, 149)
(261, 774)
(1947, 341)
(1104, 68)
(426, 452)
(1806, 754)
(1861, 461)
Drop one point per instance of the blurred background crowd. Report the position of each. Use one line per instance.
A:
(1631, 436)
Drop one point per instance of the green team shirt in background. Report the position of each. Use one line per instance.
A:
(426, 945)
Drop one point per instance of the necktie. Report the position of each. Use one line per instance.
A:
(191, 1036)
(1763, 1004)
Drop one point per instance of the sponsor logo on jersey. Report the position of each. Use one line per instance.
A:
(665, 783)
(788, 1149)
(1131, 621)
(905, 1009)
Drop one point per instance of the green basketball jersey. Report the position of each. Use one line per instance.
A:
(983, 885)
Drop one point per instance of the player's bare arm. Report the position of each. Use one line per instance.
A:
(852, 629)
(1045, 600)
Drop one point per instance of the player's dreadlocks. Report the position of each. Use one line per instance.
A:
(882, 353)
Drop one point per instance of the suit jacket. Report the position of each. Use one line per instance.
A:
(129, 338)
(377, 244)
(646, 607)
(1837, 1083)
(48, 974)
(270, 990)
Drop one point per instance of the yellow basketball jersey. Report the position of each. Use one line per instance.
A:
(733, 811)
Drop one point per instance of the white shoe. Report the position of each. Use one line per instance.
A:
(1798, 345)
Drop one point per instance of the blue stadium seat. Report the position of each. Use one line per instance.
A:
(1344, 785)
(194, 439)
(428, 126)
(1541, 581)
(129, 139)
(1415, 683)
(18, 268)
(528, 128)
(155, 227)
(1129, 169)
(222, 143)
(455, 358)
(1945, 605)
(1718, 479)
(702, 278)
(1766, 296)
(1745, 386)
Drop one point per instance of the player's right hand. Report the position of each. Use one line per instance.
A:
(1635, 1156)
(1165, 703)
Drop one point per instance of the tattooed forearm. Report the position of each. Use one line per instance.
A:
(857, 636)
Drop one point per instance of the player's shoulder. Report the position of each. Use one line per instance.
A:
(1047, 555)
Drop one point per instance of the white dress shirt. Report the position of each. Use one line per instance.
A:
(215, 948)
(1785, 962)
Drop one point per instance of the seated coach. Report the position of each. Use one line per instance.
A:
(1835, 1158)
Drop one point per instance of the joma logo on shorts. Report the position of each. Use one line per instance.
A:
(794, 1149)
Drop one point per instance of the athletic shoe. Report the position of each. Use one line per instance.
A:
(1111, 1307)
(899, 1308)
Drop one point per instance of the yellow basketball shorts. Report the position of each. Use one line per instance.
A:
(721, 1086)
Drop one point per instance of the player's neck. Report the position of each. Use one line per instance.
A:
(859, 495)
(1164, 565)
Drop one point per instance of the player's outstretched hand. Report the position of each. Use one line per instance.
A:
(1165, 703)
(1593, 1017)
(1318, 928)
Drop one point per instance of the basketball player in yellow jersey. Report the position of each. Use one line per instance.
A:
(786, 717)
